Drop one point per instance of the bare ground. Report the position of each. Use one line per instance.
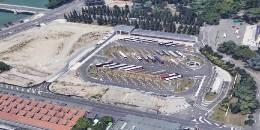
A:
(38, 53)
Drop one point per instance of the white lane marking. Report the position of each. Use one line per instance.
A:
(207, 121)
(216, 124)
(200, 119)
(201, 83)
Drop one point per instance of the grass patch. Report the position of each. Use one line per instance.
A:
(210, 96)
(194, 58)
(234, 119)
(93, 71)
(183, 84)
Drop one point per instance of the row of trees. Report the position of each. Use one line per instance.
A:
(4, 67)
(243, 53)
(212, 11)
(157, 21)
(244, 93)
(85, 124)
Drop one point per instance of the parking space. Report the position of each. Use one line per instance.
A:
(151, 65)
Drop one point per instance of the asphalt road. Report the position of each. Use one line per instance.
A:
(49, 16)
(100, 107)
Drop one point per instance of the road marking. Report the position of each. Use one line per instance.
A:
(201, 83)
(207, 121)
(200, 119)
(216, 124)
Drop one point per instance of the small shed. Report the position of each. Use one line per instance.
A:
(123, 29)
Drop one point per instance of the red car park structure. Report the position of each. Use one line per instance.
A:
(38, 113)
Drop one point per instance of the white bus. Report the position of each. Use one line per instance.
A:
(125, 67)
(108, 65)
(117, 66)
(133, 68)
(173, 54)
(180, 54)
(165, 52)
(173, 77)
(122, 54)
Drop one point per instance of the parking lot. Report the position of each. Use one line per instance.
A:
(157, 66)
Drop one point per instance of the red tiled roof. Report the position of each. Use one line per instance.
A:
(6, 103)
(57, 108)
(7, 109)
(33, 103)
(41, 104)
(60, 114)
(35, 110)
(21, 113)
(54, 120)
(29, 114)
(46, 118)
(13, 104)
(62, 122)
(43, 111)
(20, 106)
(14, 111)
(32, 112)
(51, 113)
(38, 116)
(48, 106)
(19, 100)
(27, 108)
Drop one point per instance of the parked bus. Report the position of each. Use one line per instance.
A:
(139, 58)
(173, 54)
(159, 59)
(173, 77)
(102, 64)
(165, 52)
(151, 58)
(112, 64)
(180, 54)
(122, 54)
(133, 68)
(117, 66)
(125, 67)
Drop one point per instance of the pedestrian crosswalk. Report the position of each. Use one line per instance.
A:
(203, 120)
(201, 107)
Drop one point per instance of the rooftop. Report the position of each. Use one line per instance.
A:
(124, 28)
(44, 115)
(166, 35)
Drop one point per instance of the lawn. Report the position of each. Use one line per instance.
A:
(234, 119)
(183, 84)
(210, 96)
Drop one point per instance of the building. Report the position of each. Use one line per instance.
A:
(123, 29)
(39, 114)
(257, 35)
(252, 36)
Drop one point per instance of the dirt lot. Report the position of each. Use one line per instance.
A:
(38, 53)
(120, 3)
(129, 98)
